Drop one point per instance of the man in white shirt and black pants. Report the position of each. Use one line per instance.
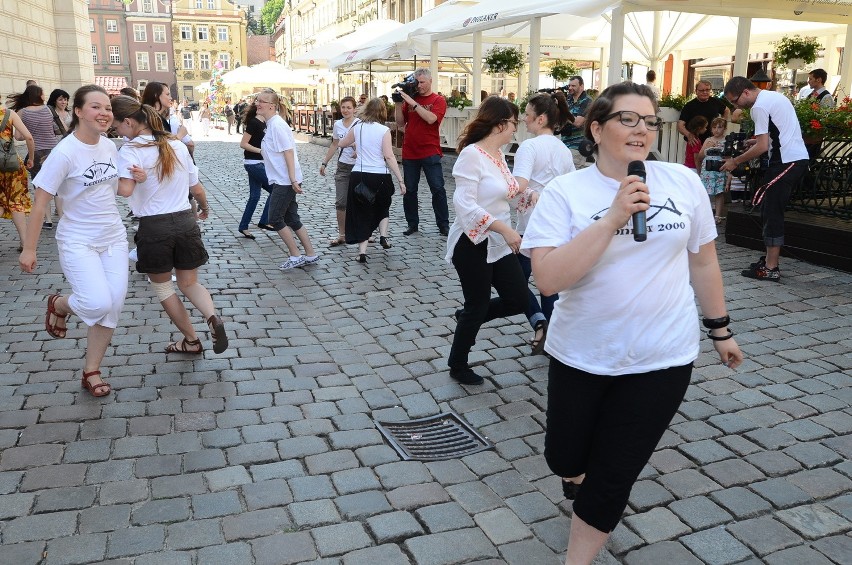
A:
(776, 130)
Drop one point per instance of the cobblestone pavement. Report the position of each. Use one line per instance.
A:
(268, 453)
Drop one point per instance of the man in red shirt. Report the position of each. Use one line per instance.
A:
(421, 149)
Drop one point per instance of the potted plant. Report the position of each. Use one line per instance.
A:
(507, 60)
(818, 122)
(795, 52)
(561, 70)
(671, 105)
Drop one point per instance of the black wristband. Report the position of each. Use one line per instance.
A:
(716, 323)
(722, 338)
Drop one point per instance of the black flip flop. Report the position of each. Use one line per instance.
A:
(246, 234)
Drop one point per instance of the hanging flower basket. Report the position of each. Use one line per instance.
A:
(795, 52)
(562, 70)
(507, 60)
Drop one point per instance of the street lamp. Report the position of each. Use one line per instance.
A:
(761, 79)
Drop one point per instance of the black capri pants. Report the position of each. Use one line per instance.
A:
(607, 427)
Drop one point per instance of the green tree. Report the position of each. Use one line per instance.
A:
(270, 12)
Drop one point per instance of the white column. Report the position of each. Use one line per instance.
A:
(616, 46)
(846, 67)
(477, 68)
(677, 72)
(604, 82)
(535, 55)
(654, 62)
(743, 35)
(433, 61)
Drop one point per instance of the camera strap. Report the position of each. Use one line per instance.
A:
(760, 192)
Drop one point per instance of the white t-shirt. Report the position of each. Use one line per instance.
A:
(485, 192)
(347, 154)
(278, 139)
(155, 196)
(634, 311)
(85, 178)
(540, 160)
(773, 113)
(368, 147)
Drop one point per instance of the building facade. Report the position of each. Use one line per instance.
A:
(109, 50)
(204, 33)
(148, 28)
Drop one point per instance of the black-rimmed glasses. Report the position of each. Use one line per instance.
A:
(737, 99)
(631, 119)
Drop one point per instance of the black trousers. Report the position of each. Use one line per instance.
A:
(477, 276)
(607, 427)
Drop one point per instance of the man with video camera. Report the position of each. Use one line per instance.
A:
(776, 130)
(420, 111)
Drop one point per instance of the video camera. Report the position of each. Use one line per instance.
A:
(552, 90)
(734, 146)
(408, 86)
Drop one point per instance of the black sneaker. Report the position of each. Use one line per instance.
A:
(410, 230)
(466, 376)
(445, 230)
(760, 263)
(763, 273)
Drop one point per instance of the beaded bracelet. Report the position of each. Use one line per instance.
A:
(716, 323)
(722, 338)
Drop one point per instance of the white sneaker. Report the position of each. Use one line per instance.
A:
(133, 256)
(311, 260)
(292, 263)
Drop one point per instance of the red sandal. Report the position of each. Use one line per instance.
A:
(97, 390)
(53, 329)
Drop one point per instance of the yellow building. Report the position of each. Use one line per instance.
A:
(47, 41)
(205, 32)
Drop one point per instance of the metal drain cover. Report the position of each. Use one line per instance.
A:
(445, 436)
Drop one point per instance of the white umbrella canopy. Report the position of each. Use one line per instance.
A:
(203, 87)
(319, 57)
(271, 74)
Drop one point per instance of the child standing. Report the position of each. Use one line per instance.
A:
(697, 126)
(716, 182)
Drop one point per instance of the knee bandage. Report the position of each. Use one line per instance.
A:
(163, 290)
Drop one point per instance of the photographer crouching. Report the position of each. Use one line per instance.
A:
(420, 111)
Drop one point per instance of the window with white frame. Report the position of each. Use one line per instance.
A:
(204, 61)
(141, 84)
(222, 33)
(112, 25)
(159, 31)
(211, 4)
(114, 55)
(225, 58)
(142, 61)
(94, 54)
(188, 62)
(140, 33)
(203, 33)
(161, 60)
(148, 6)
(458, 82)
(91, 24)
(185, 31)
(199, 4)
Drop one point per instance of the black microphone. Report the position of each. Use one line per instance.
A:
(640, 229)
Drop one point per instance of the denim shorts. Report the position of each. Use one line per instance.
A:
(169, 241)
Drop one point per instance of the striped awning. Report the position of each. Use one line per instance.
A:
(112, 85)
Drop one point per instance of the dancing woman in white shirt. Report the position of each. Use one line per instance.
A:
(91, 239)
(624, 333)
(168, 237)
(375, 158)
(481, 244)
(538, 161)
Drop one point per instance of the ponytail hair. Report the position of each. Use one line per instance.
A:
(127, 107)
(554, 107)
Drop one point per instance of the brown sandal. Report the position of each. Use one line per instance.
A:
(217, 333)
(53, 329)
(183, 346)
(336, 242)
(97, 390)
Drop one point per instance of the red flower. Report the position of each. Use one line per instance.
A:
(815, 124)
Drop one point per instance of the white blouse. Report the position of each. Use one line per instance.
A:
(485, 192)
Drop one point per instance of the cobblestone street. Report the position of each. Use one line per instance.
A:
(268, 453)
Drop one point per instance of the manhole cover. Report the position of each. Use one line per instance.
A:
(445, 436)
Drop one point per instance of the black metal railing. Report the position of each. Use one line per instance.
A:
(826, 188)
